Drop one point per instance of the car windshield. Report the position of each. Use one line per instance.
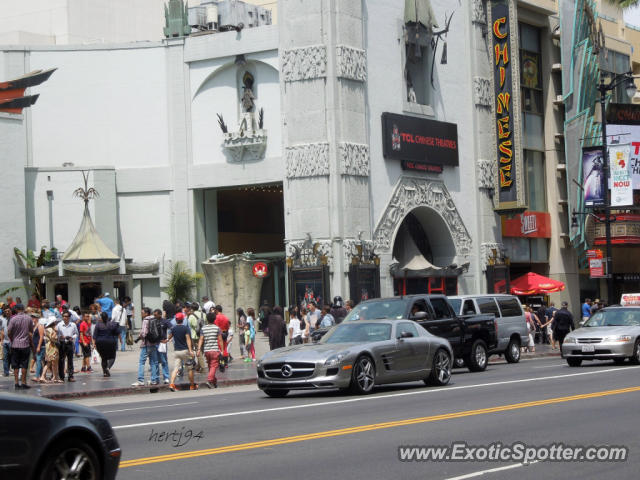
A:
(393, 309)
(455, 303)
(615, 318)
(358, 333)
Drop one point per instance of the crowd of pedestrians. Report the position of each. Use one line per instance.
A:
(44, 338)
(201, 335)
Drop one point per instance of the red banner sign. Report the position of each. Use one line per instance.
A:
(528, 225)
(596, 268)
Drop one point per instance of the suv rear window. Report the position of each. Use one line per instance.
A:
(488, 306)
(509, 307)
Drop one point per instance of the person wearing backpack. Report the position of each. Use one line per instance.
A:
(150, 335)
(195, 321)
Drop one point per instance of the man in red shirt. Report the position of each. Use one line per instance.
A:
(223, 324)
(85, 342)
(34, 302)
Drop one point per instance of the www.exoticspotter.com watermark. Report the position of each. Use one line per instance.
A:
(516, 452)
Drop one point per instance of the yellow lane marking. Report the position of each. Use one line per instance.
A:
(367, 428)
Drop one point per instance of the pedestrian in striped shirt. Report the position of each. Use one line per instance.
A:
(211, 344)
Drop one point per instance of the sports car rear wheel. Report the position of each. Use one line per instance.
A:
(363, 376)
(441, 370)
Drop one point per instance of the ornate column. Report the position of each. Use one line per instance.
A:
(323, 80)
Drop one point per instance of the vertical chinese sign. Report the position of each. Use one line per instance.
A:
(506, 108)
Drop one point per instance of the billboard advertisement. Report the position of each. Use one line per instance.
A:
(593, 177)
(621, 186)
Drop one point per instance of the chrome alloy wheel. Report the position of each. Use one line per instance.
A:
(74, 464)
(365, 374)
(481, 357)
(442, 364)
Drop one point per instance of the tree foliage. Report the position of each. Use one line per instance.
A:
(624, 4)
(181, 282)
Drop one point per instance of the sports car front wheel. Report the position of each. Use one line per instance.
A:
(440, 370)
(363, 376)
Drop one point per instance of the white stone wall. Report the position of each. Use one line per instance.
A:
(102, 107)
(64, 22)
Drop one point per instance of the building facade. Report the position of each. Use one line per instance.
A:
(356, 146)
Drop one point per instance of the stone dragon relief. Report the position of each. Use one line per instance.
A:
(354, 159)
(304, 63)
(487, 253)
(307, 160)
(479, 14)
(351, 63)
(359, 251)
(485, 174)
(308, 253)
(482, 91)
(411, 193)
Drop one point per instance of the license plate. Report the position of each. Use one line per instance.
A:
(588, 348)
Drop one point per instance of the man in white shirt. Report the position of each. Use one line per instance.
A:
(67, 334)
(119, 315)
(207, 305)
(295, 333)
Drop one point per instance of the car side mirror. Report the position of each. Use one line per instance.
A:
(419, 316)
(406, 335)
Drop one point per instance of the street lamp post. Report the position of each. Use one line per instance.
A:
(603, 89)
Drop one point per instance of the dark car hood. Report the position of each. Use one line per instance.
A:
(22, 403)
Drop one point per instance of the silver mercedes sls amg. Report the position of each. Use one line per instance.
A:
(358, 356)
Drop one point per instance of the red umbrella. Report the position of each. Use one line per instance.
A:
(534, 284)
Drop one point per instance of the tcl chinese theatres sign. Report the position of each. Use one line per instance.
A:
(506, 108)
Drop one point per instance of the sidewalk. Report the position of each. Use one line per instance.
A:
(125, 372)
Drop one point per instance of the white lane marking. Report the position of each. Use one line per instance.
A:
(368, 398)
(558, 365)
(145, 408)
(491, 470)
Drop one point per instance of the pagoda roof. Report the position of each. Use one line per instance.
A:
(88, 245)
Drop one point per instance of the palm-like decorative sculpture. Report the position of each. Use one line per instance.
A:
(86, 193)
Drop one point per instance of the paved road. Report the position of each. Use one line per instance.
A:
(244, 434)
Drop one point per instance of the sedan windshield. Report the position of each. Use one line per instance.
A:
(615, 318)
(358, 333)
(392, 309)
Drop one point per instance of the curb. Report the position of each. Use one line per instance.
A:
(525, 356)
(110, 392)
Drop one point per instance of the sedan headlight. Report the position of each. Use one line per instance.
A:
(334, 360)
(618, 339)
(571, 340)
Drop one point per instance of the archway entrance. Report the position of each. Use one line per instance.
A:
(424, 253)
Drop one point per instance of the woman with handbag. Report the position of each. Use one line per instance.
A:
(52, 354)
(106, 341)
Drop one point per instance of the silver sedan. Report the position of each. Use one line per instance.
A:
(612, 333)
(357, 356)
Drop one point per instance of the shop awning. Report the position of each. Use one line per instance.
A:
(534, 284)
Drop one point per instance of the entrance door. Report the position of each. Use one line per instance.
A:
(88, 293)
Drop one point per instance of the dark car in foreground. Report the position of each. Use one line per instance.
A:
(46, 439)
(612, 333)
(358, 356)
